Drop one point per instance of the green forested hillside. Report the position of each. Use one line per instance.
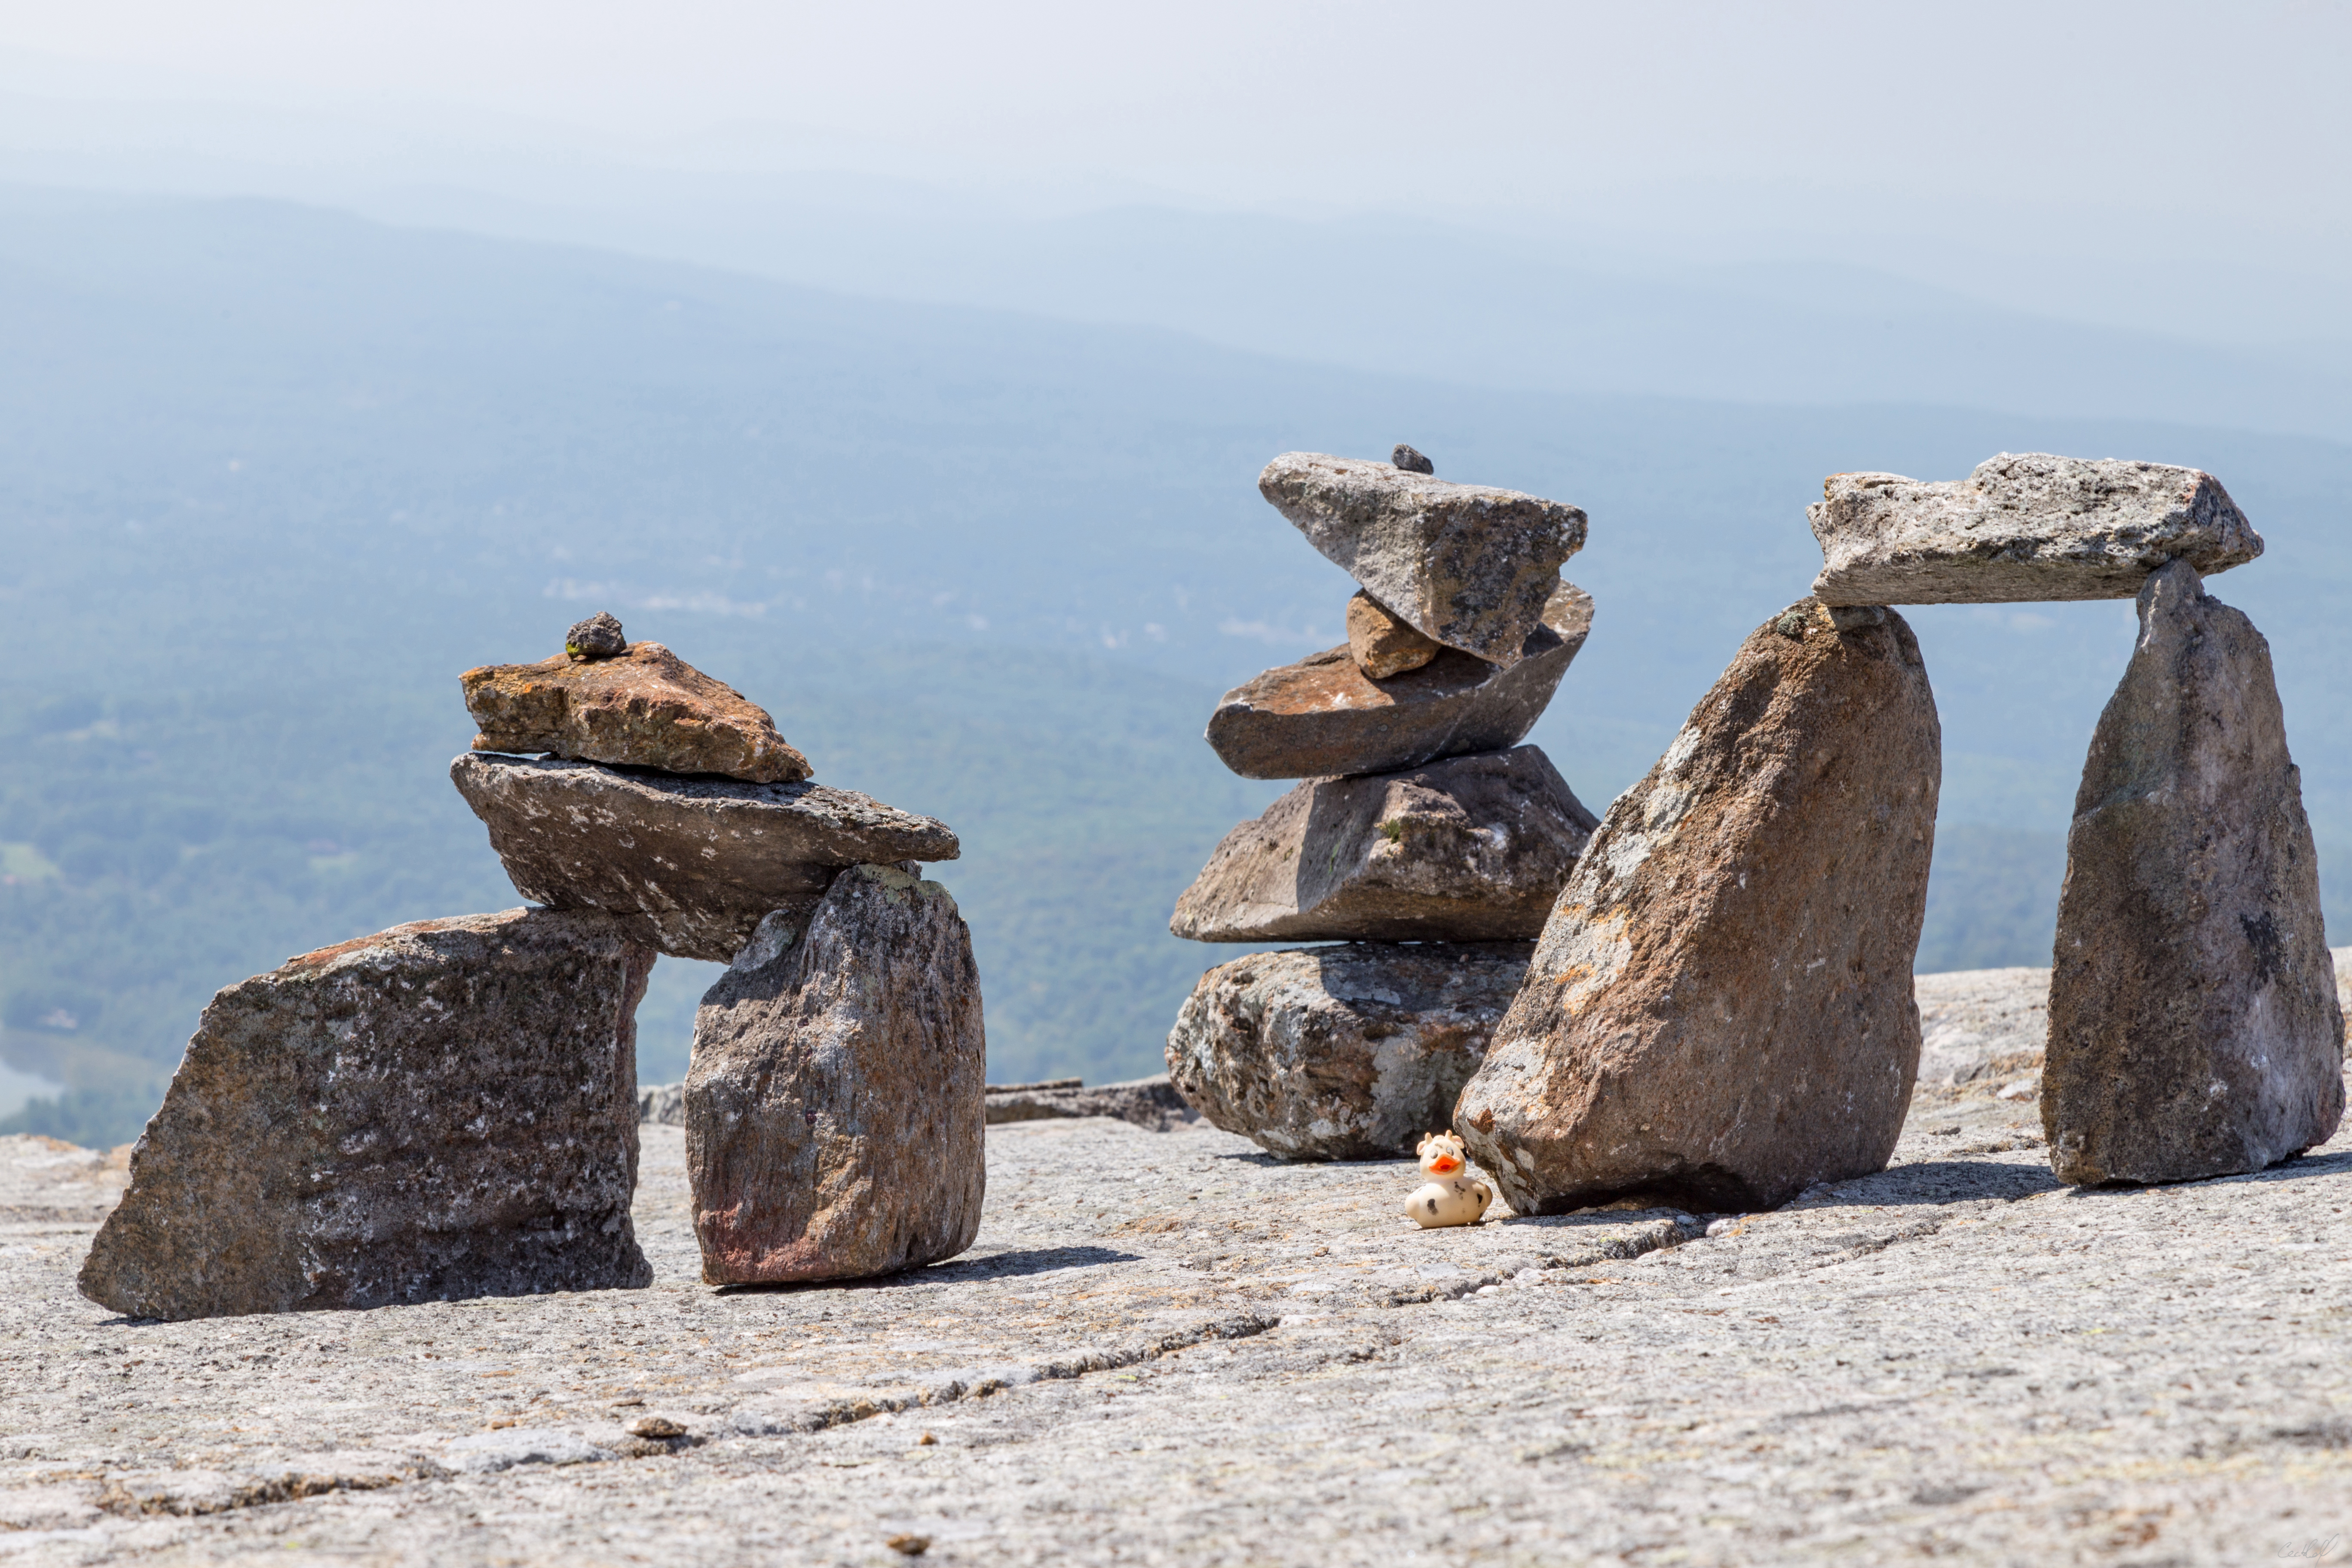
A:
(269, 479)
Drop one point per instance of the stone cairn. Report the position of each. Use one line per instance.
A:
(1424, 838)
(449, 1108)
(1721, 1012)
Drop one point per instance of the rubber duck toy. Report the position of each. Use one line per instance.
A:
(1451, 1196)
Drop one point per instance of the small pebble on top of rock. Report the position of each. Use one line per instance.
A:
(598, 636)
(1411, 461)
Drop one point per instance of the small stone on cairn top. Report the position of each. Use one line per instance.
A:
(598, 636)
(1411, 461)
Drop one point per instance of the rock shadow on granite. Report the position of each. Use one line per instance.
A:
(1012, 1264)
(1578, 1221)
(1956, 1179)
(2293, 1167)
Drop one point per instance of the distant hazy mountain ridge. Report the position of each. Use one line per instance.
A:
(270, 478)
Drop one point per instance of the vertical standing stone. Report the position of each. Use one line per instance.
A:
(835, 1108)
(2194, 1024)
(1720, 1011)
(444, 1110)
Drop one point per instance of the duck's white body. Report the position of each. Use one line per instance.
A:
(1454, 1197)
(1457, 1201)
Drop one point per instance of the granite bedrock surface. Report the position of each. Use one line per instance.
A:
(1170, 1347)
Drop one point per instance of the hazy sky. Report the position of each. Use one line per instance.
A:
(2148, 165)
(2184, 110)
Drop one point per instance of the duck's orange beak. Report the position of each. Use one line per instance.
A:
(1444, 1164)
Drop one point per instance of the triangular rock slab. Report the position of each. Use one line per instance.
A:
(445, 1110)
(646, 708)
(1719, 1012)
(1468, 565)
(690, 866)
(2021, 527)
(834, 1107)
(1468, 850)
(2195, 1028)
(1349, 1052)
(1322, 716)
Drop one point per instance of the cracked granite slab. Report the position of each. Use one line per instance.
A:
(1169, 1348)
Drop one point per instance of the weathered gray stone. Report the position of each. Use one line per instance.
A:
(1341, 1053)
(1469, 850)
(1410, 461)
(2194, 1024)
(2027, 526)
(662, 1103)
(642, 707)
(598, 636)
(1469, 566)
(1322, 717)
(1381, 644)
(443, 1109)
(834, 1113)
(691, 865)
(1720, 1010)
(1150, 1102)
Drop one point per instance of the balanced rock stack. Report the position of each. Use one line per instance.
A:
(449, 1108)
(1720, 1010)
(833, 1105)
(2195, 1028)
(1424, 836)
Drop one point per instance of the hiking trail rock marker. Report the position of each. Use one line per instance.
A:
(1421, 836)
(449, 1108)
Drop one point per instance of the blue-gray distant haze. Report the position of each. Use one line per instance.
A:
(929, 416)
(277, 475)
